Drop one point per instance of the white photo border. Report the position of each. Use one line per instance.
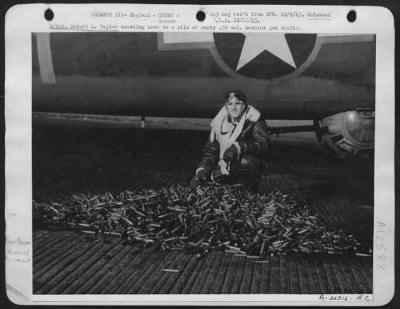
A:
(23, 20)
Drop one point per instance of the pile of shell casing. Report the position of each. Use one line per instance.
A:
(197, 220)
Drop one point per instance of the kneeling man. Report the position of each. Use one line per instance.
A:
(238, 144)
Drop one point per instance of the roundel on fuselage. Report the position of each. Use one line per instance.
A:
(264, 56)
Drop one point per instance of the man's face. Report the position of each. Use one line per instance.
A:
(234, 106)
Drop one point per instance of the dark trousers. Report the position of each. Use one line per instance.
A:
(246, 171)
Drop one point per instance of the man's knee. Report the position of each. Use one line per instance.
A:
(250, 163)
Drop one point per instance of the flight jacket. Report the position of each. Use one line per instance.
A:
(253, 139)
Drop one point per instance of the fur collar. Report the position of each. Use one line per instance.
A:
(250, 114)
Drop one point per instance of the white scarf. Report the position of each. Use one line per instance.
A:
(226, 139)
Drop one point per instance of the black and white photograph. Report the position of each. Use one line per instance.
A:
(215, 163)
(202, 161)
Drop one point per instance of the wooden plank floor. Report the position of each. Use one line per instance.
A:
(66, 262)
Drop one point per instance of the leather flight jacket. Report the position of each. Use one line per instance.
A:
(254, 140)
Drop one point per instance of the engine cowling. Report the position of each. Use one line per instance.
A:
(349, 133)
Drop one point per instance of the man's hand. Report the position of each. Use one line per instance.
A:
(232, 153)
(199, 178)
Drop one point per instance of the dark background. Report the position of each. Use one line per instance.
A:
(391, 5)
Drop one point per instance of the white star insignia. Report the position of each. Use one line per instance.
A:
(256, 43)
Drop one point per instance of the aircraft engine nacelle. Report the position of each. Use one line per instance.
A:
(349, 133)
